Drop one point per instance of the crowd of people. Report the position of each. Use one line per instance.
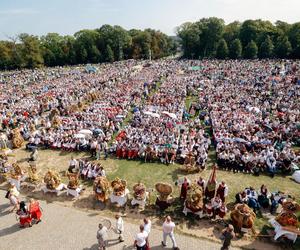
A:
(141, 238)
(250, 107)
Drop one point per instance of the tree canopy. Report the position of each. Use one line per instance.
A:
(208, 38)
(106, 44)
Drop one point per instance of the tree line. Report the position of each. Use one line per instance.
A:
(211, 38)
(106, 44)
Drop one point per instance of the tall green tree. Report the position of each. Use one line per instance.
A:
(266, 48)
(109, 54)
(232, 31)
(189, 33)
(283, 47)
(222, 49)
(236, 49)
(5, 55)
(52, 50)
(31, 51)
(249, 32)
(251, 50)
(294, 38)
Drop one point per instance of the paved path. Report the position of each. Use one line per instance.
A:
(68, 228)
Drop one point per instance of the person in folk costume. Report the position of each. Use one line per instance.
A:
(211, 185)
(216, 204)
(35, 210)
(201, 183)
(222, 191)
(208, 209)
(263, 199)
(184, 188)
(24, 215)
(222, 211)
(119, 151)
(241, 197)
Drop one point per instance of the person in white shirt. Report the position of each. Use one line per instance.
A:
(102, 171)
(147, 225)
(72, 164)
(168, 230)
(140, 241)
(102, 237)
(120, 227)
(147, 229)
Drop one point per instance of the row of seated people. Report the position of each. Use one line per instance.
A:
(255, 163)
(262, 199)
(88, 170)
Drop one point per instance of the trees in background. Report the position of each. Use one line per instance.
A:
(106, 44)
(209, 37)
(206, 38)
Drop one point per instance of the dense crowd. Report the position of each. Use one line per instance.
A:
(139, 109)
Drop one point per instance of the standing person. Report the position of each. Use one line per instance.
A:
(227, 235)
(147, 229)
(102, 237)
(140, 239)
(72, 164)
(98, 151)
(24, 215)
(210, 188)
(201, 183)
(35, 210)
(184, 189)
(12, 194)
(93, 148)
(222, 191)
(147, 225)
(105, 149)
(120, 227)
(168, 230)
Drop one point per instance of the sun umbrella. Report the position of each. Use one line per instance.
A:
(155, 115)
(98, 131)
(147, 112)
(85, 132)
(172, 115)
(79, 136)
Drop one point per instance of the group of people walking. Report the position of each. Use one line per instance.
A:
(141, 239)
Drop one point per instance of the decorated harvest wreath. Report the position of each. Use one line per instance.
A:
(33, 173)
(287, 219)
(243, 216)
(164, 190)
(101, 188)
(139, 190)
(73, 180)
(119, 186)
(16, 171)
(52, 179)
(194, 198)
(17, 138)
